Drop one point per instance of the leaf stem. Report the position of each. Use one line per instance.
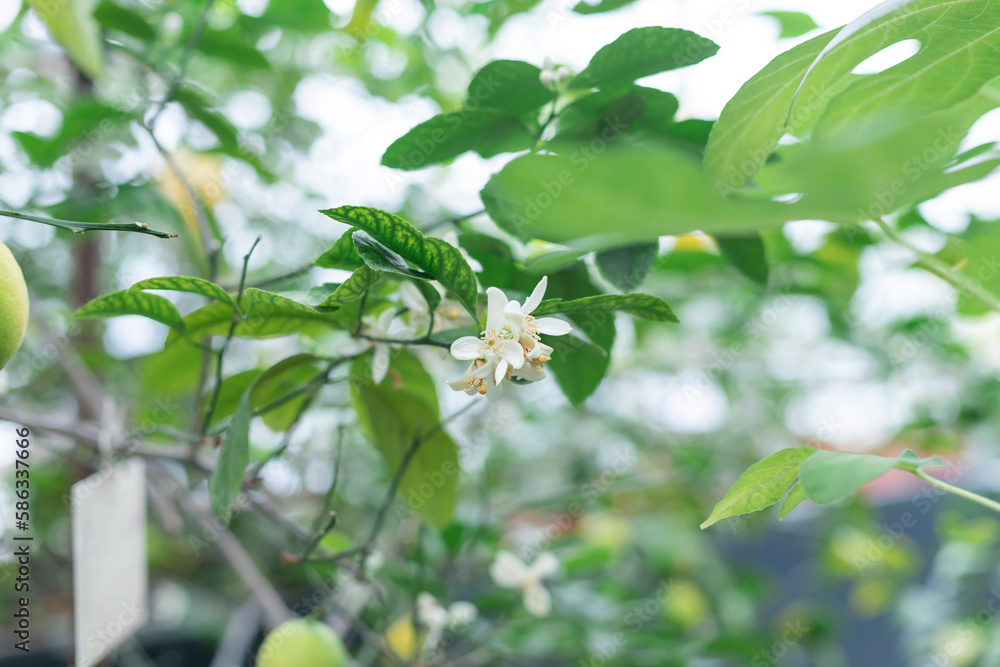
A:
(82, 227)
(939, 268)
(968, 495)
(237, 318)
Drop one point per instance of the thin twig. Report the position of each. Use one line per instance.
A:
(83, 227)
(331, 522)
(237, 318)
(189, 49)
(407, 341)
(453, 220)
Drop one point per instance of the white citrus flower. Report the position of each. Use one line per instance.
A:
(494, 345)
(433, 616)
(379, 328)
(524, 325)
(449, 313)
(479, 378)
(509, 571)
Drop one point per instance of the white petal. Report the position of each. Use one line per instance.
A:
(501, 372)
(467, 348)
(546, 564)
(412, 298)
(380, 363)
(536, 295)
(493, 391)
(512, 352)
(486, 370)
(384, 321)
(462, 613)
(553, 326)
(496, 301)
(537, 600)
(507, 570)
(529, 373)
(515, 322)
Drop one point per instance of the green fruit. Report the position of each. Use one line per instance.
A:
(302, 642)
(13, 305)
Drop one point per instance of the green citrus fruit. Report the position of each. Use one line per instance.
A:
(302, 642)
(13, 305)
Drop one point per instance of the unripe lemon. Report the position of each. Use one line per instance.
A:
(301, 642)
(13, 305)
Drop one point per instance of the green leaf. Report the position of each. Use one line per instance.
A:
(227, 479)
(199, 108)
(647, 192)
(641, 52)
(72, 24)
(352, 289)
(486, 131)
(441, 260)
(641, 305)
(113, 17)
(833, 475)
(957, 56)
(343, 255)
(233, 45)
(793, 24)
(186, 284)
(494, 255)
(763, 484)
(794, 498)
(393, 415)
(627, 267)
(511, 85)
(129, 302)
(579, 365)
(746, 252)
(910, 461)
(233, 388)
(609, 114)
(267, 314)
(279, 381)
(601, 6)
(380, 258)
(850, 175)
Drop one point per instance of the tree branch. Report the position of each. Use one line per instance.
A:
(82, 227)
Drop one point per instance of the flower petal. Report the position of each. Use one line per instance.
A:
(553, 326)
(512, 352)
(515, 322)
(467, 348)
(536, 295)
(501, 372)
(546, 564)
(537, 600)
(380, 363)
(507, 570)
(462, 613)
(496, 301)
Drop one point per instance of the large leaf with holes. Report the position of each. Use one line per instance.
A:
(846, 175)
(630, 194)
(396, 415)
(441, 260)
(641, 52)
(959, 42)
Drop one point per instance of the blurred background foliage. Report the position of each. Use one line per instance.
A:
(278, 109)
